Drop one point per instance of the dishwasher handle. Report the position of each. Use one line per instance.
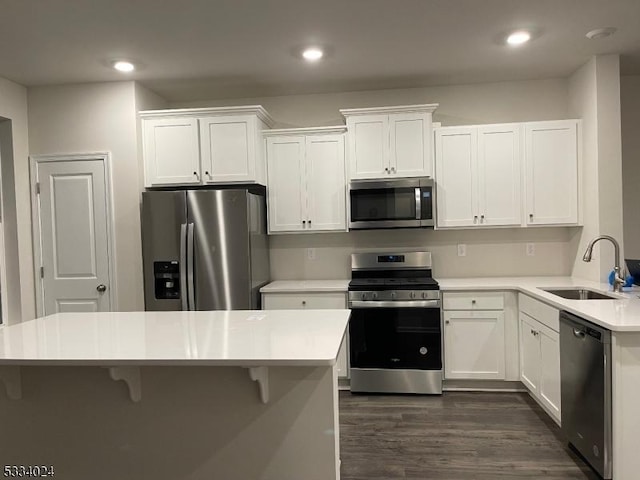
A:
(579, 333)
(582, 328)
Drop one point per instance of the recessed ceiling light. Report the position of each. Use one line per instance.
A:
(124, 66)
(312, 54)
(519, 37)
(600, 33)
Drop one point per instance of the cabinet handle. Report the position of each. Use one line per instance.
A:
(473, 302)
(309, 222)
(304, 222)
(531, 217)
(196, 175)
(475, 219)
(207, 174)
(393, 169)
(304, 302)
(447, 322)
(481, 218)
(386, 169)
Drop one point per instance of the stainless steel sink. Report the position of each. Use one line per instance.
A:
(579, 294)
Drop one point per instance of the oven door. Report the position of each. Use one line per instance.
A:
(391, 204)
(396, 337)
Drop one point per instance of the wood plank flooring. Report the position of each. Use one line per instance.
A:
(456, 436)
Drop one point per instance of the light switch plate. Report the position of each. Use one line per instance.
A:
(462, 250)
(531, 249)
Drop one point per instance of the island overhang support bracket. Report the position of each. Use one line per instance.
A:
(261, 375)
(10, 377)
(130, 376)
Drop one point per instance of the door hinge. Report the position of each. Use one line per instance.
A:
(41, 272)
(37, 188)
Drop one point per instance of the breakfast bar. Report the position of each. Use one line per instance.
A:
(173, 395)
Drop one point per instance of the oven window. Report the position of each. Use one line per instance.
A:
(383, 204)
(406, 338)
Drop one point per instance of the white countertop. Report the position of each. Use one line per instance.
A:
(300, 286)
(622, 315)
(221, 338)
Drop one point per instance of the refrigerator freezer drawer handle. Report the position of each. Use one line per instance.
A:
(183, 266)
(190, 266)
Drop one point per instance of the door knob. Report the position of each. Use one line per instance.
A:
(101, 288)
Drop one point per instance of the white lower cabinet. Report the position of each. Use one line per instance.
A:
(313, 301)
(474, 345)
(540, 355)
(474, 336)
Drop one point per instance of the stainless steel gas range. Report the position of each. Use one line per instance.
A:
(396, 327)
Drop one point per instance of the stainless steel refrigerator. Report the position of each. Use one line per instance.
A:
(204, 249)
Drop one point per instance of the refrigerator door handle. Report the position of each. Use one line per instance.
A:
(183, 266)
(190, 266)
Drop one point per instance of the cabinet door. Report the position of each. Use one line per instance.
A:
(456, 165)
(551, 175)
(285, 171)
(549, 391)
(499, 161)
(325, 182)
(529, 353)
(171, 154)
(368, 138)
(474, 345)
(410, 145)
(228, 146)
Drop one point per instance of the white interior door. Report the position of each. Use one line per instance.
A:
(74, 235)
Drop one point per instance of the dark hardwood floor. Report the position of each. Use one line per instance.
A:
(456, 436)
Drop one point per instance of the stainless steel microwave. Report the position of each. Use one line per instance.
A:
(399, 203)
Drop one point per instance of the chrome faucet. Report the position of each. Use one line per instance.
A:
(618, 278)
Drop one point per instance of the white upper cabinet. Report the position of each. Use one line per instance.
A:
(228, 147)
(171, 155)
(307, 181)
(499, 160)
(551, 172)
(456, 165)
(389, 142)
(204, 146)
(478, 176)
(286, 194)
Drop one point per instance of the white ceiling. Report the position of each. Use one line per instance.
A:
(208, 49)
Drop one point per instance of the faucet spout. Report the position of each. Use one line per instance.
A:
(618, 280)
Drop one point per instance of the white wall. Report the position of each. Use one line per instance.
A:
(99, 117)
(630, 103)
(13, 107)
(594, 96)
(459, 104)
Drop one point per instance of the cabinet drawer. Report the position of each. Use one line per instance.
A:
(290, 301)
(543, 313)
(473, 301)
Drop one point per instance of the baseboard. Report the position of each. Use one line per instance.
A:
(483, 386)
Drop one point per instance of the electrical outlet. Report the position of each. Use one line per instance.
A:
(462, 250)
(311, 253)
(531, 249)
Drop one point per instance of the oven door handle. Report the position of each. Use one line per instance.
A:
(395, 304)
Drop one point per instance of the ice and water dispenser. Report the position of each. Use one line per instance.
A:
(167, 280)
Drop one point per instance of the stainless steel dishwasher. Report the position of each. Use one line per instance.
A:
(585, 371)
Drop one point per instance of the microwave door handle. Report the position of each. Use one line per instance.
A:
(418, 203)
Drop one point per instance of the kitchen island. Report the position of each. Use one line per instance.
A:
(173, 395)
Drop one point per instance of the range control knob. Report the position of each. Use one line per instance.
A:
(424, 294)
(374, 295)
(393, 295)
(363, 296)
(412, 294)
